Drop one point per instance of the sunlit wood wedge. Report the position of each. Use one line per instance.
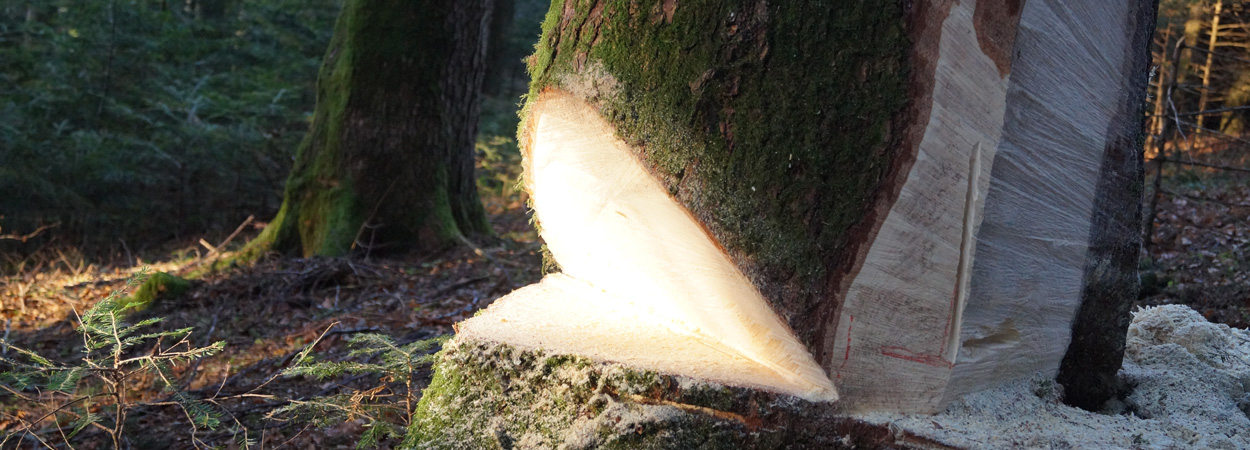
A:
(642, 283)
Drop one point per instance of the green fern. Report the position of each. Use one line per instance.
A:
(106, 370)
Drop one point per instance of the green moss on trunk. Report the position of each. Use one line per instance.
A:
(388, 162)
(494, 396)
(772, 122)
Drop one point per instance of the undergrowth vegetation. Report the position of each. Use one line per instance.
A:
(386, 407)
(95, 390)
(129, 364)
(147, 119)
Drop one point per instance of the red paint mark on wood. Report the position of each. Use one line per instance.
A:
(922, 358)
(928, 359)
(847, 358)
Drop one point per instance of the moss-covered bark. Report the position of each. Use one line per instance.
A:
(493, 396)
(388, 162)
(772, 122)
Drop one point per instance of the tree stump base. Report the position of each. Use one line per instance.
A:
(488, 395)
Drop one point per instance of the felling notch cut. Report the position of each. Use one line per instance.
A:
(642, 282)
(905, 201)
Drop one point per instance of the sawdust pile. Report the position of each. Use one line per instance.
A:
(1187, 383)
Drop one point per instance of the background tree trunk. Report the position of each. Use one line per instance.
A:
(502, 21)
(1212, 44)
(929, 195)
(388, 163)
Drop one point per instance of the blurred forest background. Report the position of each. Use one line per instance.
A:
(160, 133)
(131, 126)
(139, 137)
(1197, 200)
(147, 121)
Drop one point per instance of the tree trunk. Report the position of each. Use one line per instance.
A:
(388, 163)
(1212, 43)
(502, 20)
(1158, 118)
(864, 205)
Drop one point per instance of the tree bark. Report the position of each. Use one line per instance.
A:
(932, 197)
(1212, 43)
(502, 21)
(388, 162)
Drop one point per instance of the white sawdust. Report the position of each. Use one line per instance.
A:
(1190, 389)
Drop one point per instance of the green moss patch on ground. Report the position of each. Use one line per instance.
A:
(159, 286)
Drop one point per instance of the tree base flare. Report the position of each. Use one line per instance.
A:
(492, 396)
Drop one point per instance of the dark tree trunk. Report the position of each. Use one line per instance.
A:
(502, 21)
(388, 163)
(927, 195)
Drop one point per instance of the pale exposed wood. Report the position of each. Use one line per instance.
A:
(899, 323)
(915, 332)
(642, 283)
(1074, 93)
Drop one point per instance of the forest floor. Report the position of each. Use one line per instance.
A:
(1200, 252)
(268, 313)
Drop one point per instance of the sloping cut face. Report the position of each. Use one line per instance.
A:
(643, 282)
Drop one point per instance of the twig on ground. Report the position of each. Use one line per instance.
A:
(27, 236)
(457, 285)
(236, 232)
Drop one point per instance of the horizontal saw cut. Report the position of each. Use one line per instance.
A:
(643, 282)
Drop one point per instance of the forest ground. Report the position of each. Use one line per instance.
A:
(267, 313)
(1199, 255)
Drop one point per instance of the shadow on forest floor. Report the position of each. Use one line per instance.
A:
(266, 314)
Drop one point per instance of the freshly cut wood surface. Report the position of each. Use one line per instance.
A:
(565, 315)
(899, 325)
(937, 207)
(978, 272)
(642, 282)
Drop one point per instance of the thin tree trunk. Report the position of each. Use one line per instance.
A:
(1166, 132)
(1212, 43)
(501, 26)
(1157, 120)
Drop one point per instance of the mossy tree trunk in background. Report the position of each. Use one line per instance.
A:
(925, 196)
(388, 162)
